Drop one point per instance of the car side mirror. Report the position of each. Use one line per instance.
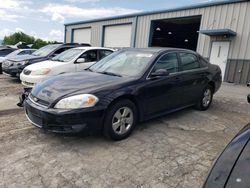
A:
(81, 60)
(159, 73)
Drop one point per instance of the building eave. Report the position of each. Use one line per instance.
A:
(200, 5)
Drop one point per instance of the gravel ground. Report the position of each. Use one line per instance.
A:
(176, 150)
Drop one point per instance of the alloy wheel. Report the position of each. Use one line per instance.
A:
(122, 120)
(207, 97)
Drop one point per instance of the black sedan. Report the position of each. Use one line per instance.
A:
(232, 168)
(127, 87)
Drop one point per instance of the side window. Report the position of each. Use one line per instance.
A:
(104, 53)
(189, 61)
(60, 51)
(90, 56)
(169, 62)
(23, 52)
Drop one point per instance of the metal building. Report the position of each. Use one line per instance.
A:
(220, 31)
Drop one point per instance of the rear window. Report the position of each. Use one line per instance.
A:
(189, 61)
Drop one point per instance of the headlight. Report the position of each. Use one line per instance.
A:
(44, 71)
(77, 101)
(22, 62)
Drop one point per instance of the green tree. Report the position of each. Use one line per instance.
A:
(22, 37)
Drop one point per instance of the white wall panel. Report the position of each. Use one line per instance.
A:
(118, 35)
(82, 35)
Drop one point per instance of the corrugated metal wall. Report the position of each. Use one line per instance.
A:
(231, 16)
(97, 29)
(234, 16)
(238, 71)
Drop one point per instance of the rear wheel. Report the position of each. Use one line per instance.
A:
(206, 99)
(120, 120)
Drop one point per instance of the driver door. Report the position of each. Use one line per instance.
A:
(90, 58)
(164, 93)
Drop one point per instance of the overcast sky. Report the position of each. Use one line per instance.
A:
(45, 18)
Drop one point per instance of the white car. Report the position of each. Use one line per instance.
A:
(72, 60)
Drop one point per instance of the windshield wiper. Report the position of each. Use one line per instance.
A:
(110, 73)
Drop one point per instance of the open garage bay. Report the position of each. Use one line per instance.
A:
(176, 150)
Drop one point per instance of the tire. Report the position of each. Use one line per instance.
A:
(205, 99)
(120, 120)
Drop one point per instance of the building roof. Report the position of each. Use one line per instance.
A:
(200, 5)
(218, 32)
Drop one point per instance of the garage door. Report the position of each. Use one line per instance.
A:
(118, 35)
(82, 35)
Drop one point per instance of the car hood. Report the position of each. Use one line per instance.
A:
(24, 58)
(44, 64)
(2, 59)
(86, 82)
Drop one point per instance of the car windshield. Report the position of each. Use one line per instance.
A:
(67, 55)
(46, 50)
(123, 63)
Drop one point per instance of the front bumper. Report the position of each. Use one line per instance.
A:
(31, 80)
(61, 121)
(13, 71)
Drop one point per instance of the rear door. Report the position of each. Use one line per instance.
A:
(193, 77)
(163, 93)
(90, 56)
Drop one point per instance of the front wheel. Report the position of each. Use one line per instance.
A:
(120, 120)
(205, 99)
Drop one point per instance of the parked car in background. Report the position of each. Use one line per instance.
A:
(4, 51)
(72, 60)
(122, 89)
(17, 52)
(14, 66)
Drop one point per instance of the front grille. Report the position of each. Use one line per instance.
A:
(26, 72)
(34, 118)
(28, 84)
(38, 101)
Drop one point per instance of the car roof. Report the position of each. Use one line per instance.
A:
(6, 47)
(158, 49)
(71, 44)
(28, 49)
(93, 48)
